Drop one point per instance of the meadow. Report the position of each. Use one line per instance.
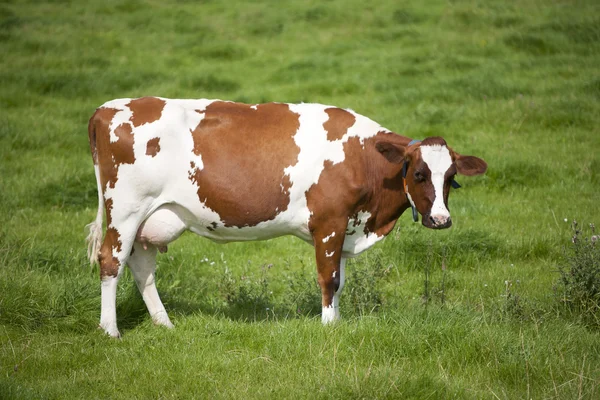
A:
(476, 311)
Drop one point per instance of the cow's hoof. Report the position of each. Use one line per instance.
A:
(330, 315)
(111, 331)
(162, 319)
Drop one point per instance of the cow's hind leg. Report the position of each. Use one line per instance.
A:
(114, 253)
(142, 263)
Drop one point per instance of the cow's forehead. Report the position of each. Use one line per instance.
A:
(437, 157)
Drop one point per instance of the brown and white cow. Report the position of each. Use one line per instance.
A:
(231, 172)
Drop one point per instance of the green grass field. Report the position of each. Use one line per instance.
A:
(516, 83)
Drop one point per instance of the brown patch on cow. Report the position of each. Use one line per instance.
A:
(113, 238)
(99, 124)
(338, 123)
(109, 265)
(145, 110)
(123, 154)
(339, 188)
(153, 147)
(110, 155)
(120, 152)
(108, 205)
(245, 152)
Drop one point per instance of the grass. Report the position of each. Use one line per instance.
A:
(516, 84)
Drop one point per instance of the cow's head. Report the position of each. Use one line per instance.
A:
(429, 168)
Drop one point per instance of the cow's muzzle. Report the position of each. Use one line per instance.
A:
(437, 221)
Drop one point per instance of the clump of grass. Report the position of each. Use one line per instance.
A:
(514, 305)
(363, 290)
(247, 295)
(580, 273)
(302, 293)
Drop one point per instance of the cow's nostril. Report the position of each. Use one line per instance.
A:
(432, 220)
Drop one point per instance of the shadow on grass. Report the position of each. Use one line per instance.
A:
(132, 312)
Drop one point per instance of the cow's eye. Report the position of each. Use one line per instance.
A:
(419, 177)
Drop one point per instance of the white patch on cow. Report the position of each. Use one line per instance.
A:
(333, 275)
(438, 160)
(254, 107)
(363, 128)
(329, 314)
(326, 238)
(328, 254)
(356, 240)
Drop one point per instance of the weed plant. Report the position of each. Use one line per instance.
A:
(579, 284)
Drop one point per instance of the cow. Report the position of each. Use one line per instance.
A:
(229, 171)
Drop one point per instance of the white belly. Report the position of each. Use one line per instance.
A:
(169, 221)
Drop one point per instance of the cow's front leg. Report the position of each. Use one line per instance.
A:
(330, 267)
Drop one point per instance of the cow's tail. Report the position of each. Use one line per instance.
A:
(94, 237)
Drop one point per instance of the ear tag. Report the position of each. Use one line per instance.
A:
(455, 184)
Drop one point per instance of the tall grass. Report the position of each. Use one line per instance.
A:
(514, 83)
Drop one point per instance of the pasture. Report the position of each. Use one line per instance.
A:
(476, 311)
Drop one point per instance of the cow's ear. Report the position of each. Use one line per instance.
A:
(392, 152)
(469, 165)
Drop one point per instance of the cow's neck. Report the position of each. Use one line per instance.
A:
(387, 199)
